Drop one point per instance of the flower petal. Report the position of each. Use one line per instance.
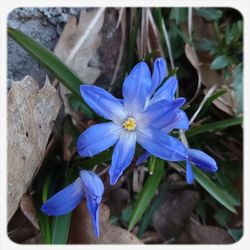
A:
(122, 156)
(93, 189)
(160, 72)
(136, 88)
(103, 103)
(178, 120)
(142, 158)
(65, 200)
(98, 138)
(189, 172)
(202, 160)
(157, 113)
(161, 145)
(166, 91)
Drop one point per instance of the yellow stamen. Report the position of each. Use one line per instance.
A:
(130, 124)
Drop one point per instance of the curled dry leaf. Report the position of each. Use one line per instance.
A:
(28, 209)
(31, 115)
(81, 231)
(71, 37)
(174, 212)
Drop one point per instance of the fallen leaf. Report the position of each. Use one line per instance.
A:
(81, 231)
(21, 230)
(117, 199)
(192, 56)
(31, 112)
(210, 78)
(28, 209)
(71, 37)
(201, 61)
(174, 212)
(196, 233)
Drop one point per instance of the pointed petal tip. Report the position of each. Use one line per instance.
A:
(112, 180)
(43, 208)
(114, 175)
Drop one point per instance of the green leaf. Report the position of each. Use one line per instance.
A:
(207, 45)
(218, 193)
(210, 14)
(147, 193)
(214, 126)
(44, 225)
(180, 15)
(220, 62)
(54, 64)
(61, 71)
(60, 229)
(236, 233)
(155, 204)
(238, 87)
(98, 159)
(43, 220)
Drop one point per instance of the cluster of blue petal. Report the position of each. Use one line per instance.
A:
(89, 186)
(149, 100)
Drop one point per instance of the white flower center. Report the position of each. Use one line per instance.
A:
(129, 124)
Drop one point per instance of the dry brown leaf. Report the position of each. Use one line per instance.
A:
(210, 78)
(117, 199)
(72, 33)
(196, 233)
(80, 63)
(31, 115)
(81, 231)
(201, 62)
(28, 209)
(192, 56)
(173, 213)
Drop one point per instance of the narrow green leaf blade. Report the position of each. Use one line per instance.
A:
(214, 126)
(213, 189)
(147, 193)
(61, 71)
(60, 229)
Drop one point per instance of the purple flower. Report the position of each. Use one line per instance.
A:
(144, 116)
(89, 186)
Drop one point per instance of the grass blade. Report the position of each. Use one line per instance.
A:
(60, 229)
(155, 204)
(147, 193)
(219, 194)
(62, 72)
(214, 126)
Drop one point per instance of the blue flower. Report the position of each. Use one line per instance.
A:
(177, 119)
(143, 116)
(89, 186)
(202, 160)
